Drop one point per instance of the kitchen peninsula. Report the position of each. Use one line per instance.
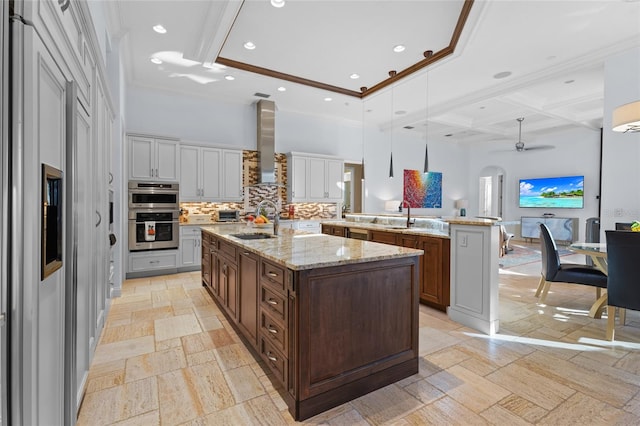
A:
(333, 318)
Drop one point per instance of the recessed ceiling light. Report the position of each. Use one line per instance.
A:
(156, 61)
(569, 81)
(354, 76)
(448, 135)
(401, 112)
(503, 74)
(249, 45)
(277, 3)
(398, 48)
(229, 77)
(328, 99)
(282, 89)
(159, 29)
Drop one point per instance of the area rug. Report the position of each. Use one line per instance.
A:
(521, 255)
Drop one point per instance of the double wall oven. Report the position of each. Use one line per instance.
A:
(154, 210)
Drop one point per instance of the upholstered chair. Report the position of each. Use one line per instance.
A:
(623, 288)
(554, 271)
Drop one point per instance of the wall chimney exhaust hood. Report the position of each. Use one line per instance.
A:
(266, 121)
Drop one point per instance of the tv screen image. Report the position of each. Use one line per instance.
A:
(563, 192)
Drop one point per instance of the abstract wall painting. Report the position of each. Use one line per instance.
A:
(423, 190)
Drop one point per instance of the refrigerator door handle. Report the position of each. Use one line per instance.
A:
(99, 218)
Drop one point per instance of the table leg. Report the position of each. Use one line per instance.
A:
(598, 307)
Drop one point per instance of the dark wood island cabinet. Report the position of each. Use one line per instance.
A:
(332, 318)
(435, 263)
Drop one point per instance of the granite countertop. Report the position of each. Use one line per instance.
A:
(298, 250)
(415, 230)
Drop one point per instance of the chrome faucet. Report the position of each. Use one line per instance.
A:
(406, 204)
(276, 220)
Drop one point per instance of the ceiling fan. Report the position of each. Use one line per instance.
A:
(520, 145)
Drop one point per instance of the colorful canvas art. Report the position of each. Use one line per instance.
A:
(423, 190)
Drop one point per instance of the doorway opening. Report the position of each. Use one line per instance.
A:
(352, 194)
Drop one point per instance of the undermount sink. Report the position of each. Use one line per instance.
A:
(253, 236)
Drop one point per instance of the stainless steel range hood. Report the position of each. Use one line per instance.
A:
(266, 120)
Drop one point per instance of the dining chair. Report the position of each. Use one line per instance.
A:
(623, 288)
(554, 271)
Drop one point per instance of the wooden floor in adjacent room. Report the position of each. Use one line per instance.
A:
(168, 356)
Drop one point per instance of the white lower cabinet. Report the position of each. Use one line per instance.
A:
(190, 246)
(161, 261)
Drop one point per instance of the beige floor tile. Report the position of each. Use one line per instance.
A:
(178, 401)
(210, 323)
(386, 405)
(210, 385)
(523, 408)
(201, 358)
(151, 418)
(351, 417)
(221, 337)
(424, 391)
(232, 416)
(498, 415)
(233, 356)
(163, 345)
(205, 311)
(149, 313)
(263, 411)
(106, 368)
(432, 340)
(531, 386)
(197, 343)
(106, 381)
(243, 383)
(123, 349)
(581, 409)
(169, 295)
(155, 363)
(126, 332)
(445, 411)
(172, 327)
(476, 392)
(592, 383)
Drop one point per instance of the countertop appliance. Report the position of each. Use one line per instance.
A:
(227, 216)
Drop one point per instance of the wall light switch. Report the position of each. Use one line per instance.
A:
(463, 241)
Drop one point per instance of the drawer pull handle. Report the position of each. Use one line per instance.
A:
(272, 302)
(272, 330)
(272, 274)
(271, 357)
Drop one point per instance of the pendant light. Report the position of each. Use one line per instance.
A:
(363, 89)
(391, 144)
(426, 126)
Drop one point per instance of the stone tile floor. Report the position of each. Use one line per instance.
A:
(168, 356)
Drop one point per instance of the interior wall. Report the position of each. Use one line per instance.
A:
(576, 152)
(621, 151)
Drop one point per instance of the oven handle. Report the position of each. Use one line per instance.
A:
(156, 221)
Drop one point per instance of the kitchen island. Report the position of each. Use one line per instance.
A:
(332, 318)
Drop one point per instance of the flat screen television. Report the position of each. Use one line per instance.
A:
(562, 192)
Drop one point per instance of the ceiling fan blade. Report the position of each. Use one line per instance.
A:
(538, 148)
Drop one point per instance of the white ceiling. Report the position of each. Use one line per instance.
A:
(554, 50)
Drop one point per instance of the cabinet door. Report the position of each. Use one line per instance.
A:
(431, 286)
(298, 178)
(189, 173)
(167, 155)
(248, 299)
(210, 159)
(141, 158)
(190, 251)
(232, 179)
(317, 179)
(334, 179)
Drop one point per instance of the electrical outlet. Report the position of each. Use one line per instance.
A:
(618, 212)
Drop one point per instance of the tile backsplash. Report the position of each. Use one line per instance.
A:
(254, 194)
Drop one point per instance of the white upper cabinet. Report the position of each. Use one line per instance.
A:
(210, 174)
(153, 158)
(314, 178)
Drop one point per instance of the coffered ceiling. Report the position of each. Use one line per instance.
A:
(542, 60)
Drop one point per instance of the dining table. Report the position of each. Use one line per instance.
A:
(598, 253)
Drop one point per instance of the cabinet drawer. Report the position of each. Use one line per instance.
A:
(273, 331)
(272, 274)
(273, 303)
(382, 237)
(275, 360)
(151, 262)
(190, 231)
(228, 250)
